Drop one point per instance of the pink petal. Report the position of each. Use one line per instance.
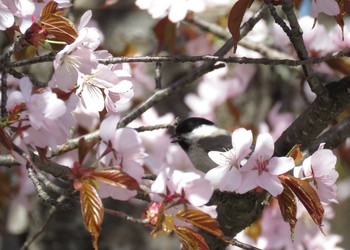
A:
(108, 127)
(178, 10)
(280, 165)
(322, 162)
(220, 158)
(241, 141)
(198, 192)
(232, 181)
(270, 183)
(92, 97)
(264, 147)
(248, 181)
(216, 175)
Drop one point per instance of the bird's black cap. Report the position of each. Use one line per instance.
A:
(190, 124)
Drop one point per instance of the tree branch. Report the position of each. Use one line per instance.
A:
(333, 137)
(228, 59)
(297, 40)
(305, 129)
(190, 78)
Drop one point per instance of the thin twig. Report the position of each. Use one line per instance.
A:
(38, 59)
(156, 127)
(242, 245)
(191, 77)
(29, 241)
(229, 59)
(158, 76)
(298, 42)
(125, 216)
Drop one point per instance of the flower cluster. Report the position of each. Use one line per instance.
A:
(237, 174)
(241, 169)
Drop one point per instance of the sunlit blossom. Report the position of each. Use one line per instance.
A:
(227, 175)
(263, 169)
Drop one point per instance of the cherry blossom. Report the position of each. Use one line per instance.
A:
(209, 95)
(263, 169)
(6, 17)
(329, 7)
(320, 167)
(107, 86)
(49, 117)
(227, 175)
(76, 59)
(176, 10)
(122, 149)
(156, 142)
(182, 188)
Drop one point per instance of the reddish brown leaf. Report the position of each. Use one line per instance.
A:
(165, 32)
(190, 239)
(165, 225)
(344, 6)
(201, 220)
(307, 195)
(117, 178)
(51, 8)
(84, 147)
(60, 27)
(296, 153)
(235, 19)
(288, 206)
(92, 210)
(340, 64)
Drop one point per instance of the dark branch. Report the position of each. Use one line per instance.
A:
(306, 128)
(332, 137)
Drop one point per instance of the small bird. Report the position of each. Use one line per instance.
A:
(197, 136)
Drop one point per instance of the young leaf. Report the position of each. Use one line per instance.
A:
(296, 153)
(344, 7)
(165, 225)
(288, 206)
(84, 147)
(92, 210)
(165, 32)
(201, 220)
(117, 178)
(60, 27)
(190, 239)
(307, 195)
(235, 19)
(51, 8)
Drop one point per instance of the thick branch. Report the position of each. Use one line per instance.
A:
(305, 129)
(332, 137)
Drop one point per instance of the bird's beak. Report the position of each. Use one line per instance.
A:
(174, 139)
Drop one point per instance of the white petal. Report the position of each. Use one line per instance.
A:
(232, 181)
(264, 146)
(270, 183)
(280, 165)
(322, 162)
(108, 127)
(216, 175)
(242, 139)
(248, 181)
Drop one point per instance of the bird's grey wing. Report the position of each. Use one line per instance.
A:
(216, 143)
